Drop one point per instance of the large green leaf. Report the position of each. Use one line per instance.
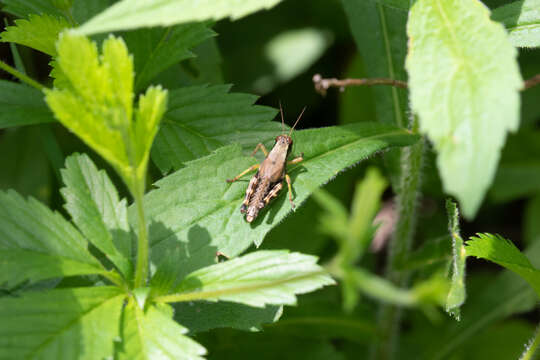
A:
(61, 324)
(155, 50)
(26, 7)
(92, 201)
(201, 119)
(132, 14)
(37, 244)
(22, 105)
(522, 20)
(501, 251)
(457, 79)
(153, 334)
(39, 32)
(265, 277)
(195, 210)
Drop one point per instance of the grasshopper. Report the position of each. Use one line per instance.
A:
(268, 180)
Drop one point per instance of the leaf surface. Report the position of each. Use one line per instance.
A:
(265, 277)
(37, 244)
(22, 105)
(522, 20)
(77, 323)
(460, 66)
(131, 14)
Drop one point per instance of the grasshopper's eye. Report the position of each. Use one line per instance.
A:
(277, 138)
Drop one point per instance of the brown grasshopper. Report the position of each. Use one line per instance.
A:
(268, 180)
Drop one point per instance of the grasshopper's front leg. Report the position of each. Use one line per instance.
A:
(263, 149)
(249, 169)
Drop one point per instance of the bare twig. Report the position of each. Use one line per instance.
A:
(529, 83)
(321, 84)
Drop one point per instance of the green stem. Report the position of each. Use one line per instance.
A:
(530, 350)
(141, 271)
(389, 316)
(19, 75)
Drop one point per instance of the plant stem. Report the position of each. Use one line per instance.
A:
(321, 85)
(141, 271)
(529, 83)
(19, 75)
(389, 316)
(531, 348)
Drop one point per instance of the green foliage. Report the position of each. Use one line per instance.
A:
(129, 14)
(97, 105)
(257, 279)
(522, 20)
(76, 323)
(454, 78)
(456, 295)
(22, 105)
(39, 32)
(501, 251)
(201, 119)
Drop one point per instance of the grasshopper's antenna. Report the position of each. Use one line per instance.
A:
(297, 120)
(282, 121)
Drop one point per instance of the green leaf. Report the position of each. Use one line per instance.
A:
(501, 251)
(132, 14)
(201, 119)
(455, 75)
(97, 105)
(196, 208)
(155, 50)
(37, 244)
(456, 295)
(26, 7)
(60, 324)
(92, 201)
(257, 279)
(152, 334)
(39, 32)
(522, 21)
(22, 105)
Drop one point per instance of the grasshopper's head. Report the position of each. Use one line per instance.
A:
(284, 143)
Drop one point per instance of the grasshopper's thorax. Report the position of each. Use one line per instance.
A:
(273, 166)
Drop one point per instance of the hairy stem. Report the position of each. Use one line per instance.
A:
(321, 84)
(531, 348)
(529, 83)
(141, 270)
(390, 315)
(19, 75)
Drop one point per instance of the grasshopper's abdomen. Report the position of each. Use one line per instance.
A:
(256, 201)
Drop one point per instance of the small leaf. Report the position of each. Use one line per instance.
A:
(132, 14)
(92, 201)
(455, 75)
(152, 334)
(39, 32)
(22, 105)
(501, 251)
(522, 21)
(155, 50)
(62, 323)
(201, 119)
(196, 208)
(98, 104)
(257, 279)
(456, 295)
(37, 244)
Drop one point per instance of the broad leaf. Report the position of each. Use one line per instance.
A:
(153, 334)
(37, 244)
(196, 210)
(155, 50)
(22, 105)
(501, 251)
(457, 78)
(456, 295)
(92, 201)
(132, 14)
(201, 119)
(61, 324)
(97, 104)
(522, 20)
(39, 32)
(24, 8)
(266, 277)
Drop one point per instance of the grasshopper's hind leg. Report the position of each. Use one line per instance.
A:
(249, 169)
(288, 180)
(249, 191)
